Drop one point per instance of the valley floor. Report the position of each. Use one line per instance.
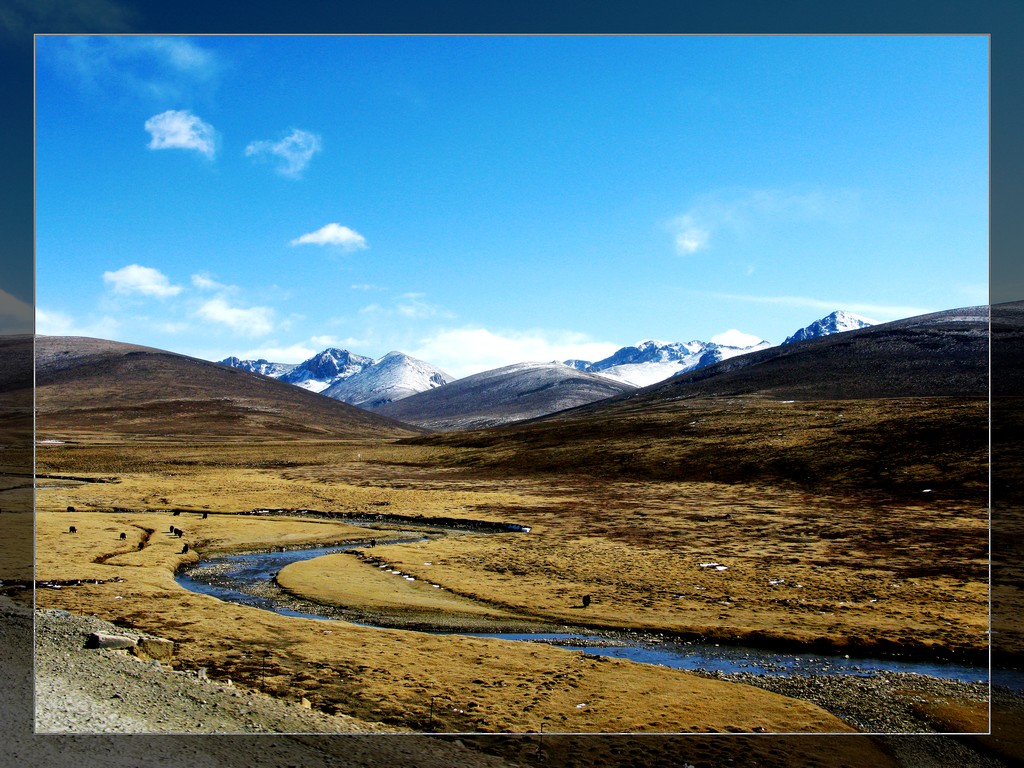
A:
(728, 561)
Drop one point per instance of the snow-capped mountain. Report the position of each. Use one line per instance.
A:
(393, 377)
(652, 361)
(353, 378)
(837, 322)
(326, 368)
(261, 366)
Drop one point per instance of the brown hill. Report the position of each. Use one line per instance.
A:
(898, 408)
(503, 395)
(98, 387)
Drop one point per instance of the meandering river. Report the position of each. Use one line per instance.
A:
(248, 579)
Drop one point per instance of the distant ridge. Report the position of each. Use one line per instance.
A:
(938, 354)
(95, 386)
(503, 395)
(898, 408)
(652, 361)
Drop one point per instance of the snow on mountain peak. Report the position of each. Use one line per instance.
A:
(837, 322)
(737, 338)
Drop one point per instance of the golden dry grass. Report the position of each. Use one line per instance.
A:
(636, 547)
(379, 675)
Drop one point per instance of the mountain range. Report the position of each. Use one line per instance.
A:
(98, 387)
(652, 361)
(351, 378)
(374, 384)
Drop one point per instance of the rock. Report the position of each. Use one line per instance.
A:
(103, 640)
(154, 648)
(305, 703)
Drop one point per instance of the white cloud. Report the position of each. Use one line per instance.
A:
(736, 338)
(16, 316)
(865, 309)
(689, 237)
(740, 211)
(204, 282)
(294, 151)
(180, 129)
(53, 323)
(464, 351)
(333, 234)
(135, 279)
(254, 321)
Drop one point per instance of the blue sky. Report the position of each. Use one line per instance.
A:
(478, 201)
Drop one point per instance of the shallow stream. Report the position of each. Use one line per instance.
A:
(248, 579)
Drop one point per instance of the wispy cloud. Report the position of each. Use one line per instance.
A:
(293, 152)
(204, 282)
(412, 305)
(464, 351)
(869, 310)
(251, 321)
(54, 323)
(143, 281)
(158, 68)
(333, 234)
(180, 129)
(739, 212)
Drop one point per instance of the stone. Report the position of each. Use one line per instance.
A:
(112, 642)
(154, 648)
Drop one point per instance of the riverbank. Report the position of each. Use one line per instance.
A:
(110, 692)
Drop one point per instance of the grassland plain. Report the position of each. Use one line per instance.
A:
(800, 568)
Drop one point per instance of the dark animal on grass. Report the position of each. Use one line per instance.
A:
(176, 512)
(71, 509)
(178, 532)
(586, 600)
(172, 529)
(184, 549)
(124, 536)
(373, 542)
(205, 515)
(142, 544)
(72, 529)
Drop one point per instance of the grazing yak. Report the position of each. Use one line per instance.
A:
(124, 536)
(72, 529)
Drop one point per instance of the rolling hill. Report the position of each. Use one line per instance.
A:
(88, 386)
(503, 395)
